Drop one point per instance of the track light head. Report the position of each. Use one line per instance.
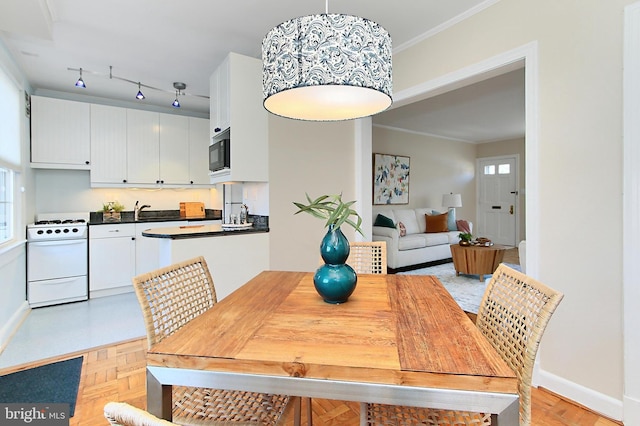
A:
(140, 96)
(179, 86)
(176, 103)
(80, 82)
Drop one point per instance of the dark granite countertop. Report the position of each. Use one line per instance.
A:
(147, 216)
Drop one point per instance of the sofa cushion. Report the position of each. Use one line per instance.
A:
(436, 239)
(436, 223)
(382, 220)
(412, 241)
(422, 225)
(408, 218)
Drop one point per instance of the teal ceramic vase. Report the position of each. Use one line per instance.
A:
(335, 280)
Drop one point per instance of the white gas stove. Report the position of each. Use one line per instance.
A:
(57, 259)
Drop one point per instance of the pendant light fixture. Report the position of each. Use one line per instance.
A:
(327, 67)
(140, 96)
(80, 82)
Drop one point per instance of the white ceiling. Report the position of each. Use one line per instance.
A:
(161, 42)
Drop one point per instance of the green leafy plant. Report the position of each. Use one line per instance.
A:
(465, 236)
(333, 210)
(112, 206)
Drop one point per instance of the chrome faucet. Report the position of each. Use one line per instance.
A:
(137, 210)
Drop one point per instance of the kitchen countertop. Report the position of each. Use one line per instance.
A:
(198, 231)
(150, 216)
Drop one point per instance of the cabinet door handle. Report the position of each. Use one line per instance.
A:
(133, 238)
(217, 129)
(86, 162)
(124, 181)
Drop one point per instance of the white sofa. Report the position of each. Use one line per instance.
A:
(417, 248)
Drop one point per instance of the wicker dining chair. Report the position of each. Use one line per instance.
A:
(172, 296)
(123, 414)
(513, 315)
(368, 257)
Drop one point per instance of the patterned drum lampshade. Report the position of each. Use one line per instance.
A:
(327, 67)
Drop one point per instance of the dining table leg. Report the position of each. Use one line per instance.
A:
(159, 398)
(509, 416)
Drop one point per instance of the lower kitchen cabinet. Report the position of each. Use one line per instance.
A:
(112, 259)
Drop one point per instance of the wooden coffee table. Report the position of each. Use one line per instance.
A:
(476, 260)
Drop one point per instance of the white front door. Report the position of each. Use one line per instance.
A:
(497, 199)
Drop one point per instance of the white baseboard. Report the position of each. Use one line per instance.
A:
(596, 401)
(9, 329)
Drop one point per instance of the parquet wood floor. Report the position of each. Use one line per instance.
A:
(117, 373)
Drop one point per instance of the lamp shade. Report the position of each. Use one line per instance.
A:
(451, 200)
(327, 67)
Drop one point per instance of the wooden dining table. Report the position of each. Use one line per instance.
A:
(399, 339)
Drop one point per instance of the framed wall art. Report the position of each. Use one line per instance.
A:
(390, 179)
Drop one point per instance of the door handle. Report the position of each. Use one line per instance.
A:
(511, 209)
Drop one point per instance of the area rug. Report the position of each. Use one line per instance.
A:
(47, 384)
(467, 290)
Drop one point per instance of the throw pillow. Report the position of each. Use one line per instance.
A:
(402, 228)
(451, 220)
(382, 220)
(463, 226)
(437, 223)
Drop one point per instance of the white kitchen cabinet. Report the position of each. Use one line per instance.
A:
(143, 147)
(112, 259)
(247, 118)
(219, 108)
(108, 144)
(174, 149)
(148, 249)
(198, 151)
(60, 134)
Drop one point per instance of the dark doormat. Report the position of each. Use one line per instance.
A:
(51, 383)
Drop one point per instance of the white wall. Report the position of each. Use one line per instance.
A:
(436, 166)
(318, 158)
(579, 76)
(70, 191)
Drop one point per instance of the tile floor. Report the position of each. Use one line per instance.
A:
(56, 330)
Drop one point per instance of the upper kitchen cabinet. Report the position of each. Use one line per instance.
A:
(174, 149)
(219, 98)
(143, 147)
(198, 151)
(241, 103)
(108, 145)
(60, 134)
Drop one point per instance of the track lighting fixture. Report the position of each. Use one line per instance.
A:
(178, 86)
(80, 82)
(140, 96)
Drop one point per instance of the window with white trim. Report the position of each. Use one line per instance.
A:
(10, 137)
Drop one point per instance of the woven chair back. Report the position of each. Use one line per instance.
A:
(369, 257)
(513, 315)
(172, 296)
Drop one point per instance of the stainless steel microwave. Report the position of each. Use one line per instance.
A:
(220, 155)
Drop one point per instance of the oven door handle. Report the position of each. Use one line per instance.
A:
(58, 242)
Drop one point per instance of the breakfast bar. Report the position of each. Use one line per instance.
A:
(234, 256)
